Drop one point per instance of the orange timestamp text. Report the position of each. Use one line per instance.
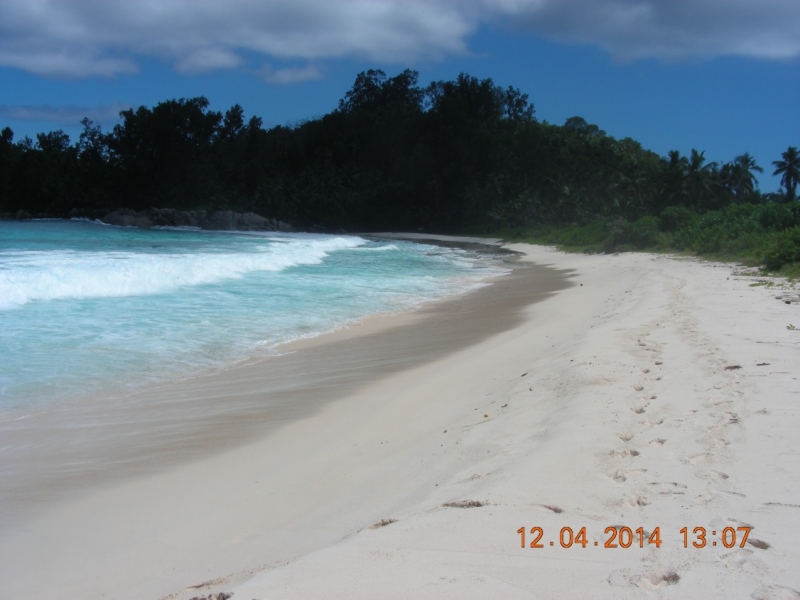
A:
(626, 537)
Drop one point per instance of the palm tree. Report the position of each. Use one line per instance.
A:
(738, 176)
(673, 179)
(789, 168)
(748, 164)
(699, 177)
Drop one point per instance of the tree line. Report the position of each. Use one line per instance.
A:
(449, 156)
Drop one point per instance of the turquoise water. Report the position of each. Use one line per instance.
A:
(88, 309)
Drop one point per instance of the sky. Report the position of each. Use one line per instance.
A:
(722, 76)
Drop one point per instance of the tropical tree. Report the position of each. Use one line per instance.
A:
(164, 154)
(738, 178)
(372, 90)
(699, 177)
(629, 192)
(789, 169)
(747, 164)
(673, 179)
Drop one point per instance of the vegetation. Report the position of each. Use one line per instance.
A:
(789, 169)
(757, 234)
(461, 155)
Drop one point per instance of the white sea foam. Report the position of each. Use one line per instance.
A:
(378, 248)
(100, 310)
(26, 276)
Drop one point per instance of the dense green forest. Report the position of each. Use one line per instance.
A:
(454, 156)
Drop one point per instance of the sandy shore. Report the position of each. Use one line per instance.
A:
(652, 392)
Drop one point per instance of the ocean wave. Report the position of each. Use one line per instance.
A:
(27, 276)
(377, 248)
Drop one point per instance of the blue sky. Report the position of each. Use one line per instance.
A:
(717, 75)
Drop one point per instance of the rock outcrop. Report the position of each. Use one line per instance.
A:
(20, 215)
(226, 220)
(126, 217)
(220, 220)
(169, 217)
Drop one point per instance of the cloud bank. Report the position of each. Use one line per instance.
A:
(83, 38)
(667, 29)
(66, 115)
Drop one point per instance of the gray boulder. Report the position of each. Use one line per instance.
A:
(252, 222)
(220, 220)
(126, 217)
(227, 220)
(169, 217)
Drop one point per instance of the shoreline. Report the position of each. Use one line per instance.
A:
(608, 404)
(101, 394)
(84, 446)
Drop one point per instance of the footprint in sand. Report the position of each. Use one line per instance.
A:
(696, 458)
(737, 494)
(638, 409)
(624, 453)
(722, 402)
(733, 418)
(625, 437)
(657, 442)
(637, 501)
(712, 475)
(555, 509)
(658, 579)
(667, 487)
(737, 558)
(624, 475)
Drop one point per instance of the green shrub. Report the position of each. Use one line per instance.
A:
(783, 249)
(779, 217)
(577, 236)
(637, 235)
(643, 233)
(676, 217)
(765, 233)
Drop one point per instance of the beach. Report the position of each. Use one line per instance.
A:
(605, 392)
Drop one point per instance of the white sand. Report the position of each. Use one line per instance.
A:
(610, 405)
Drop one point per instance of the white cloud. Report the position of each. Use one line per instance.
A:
(73, 38)
(290, 75)
(106, 37)
(666, 29)
(67, 115)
